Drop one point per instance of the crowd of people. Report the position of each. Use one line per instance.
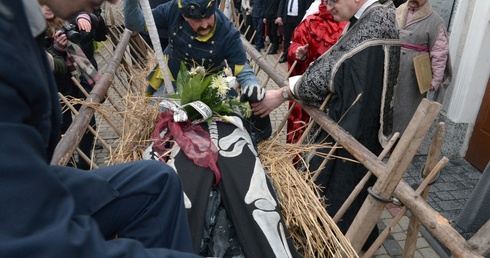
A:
(359, 51)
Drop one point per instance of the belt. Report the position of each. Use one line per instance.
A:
(415, 47)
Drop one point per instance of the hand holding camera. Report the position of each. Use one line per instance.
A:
(70, 30)
(60, 41)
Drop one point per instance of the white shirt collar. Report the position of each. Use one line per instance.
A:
(364, 7)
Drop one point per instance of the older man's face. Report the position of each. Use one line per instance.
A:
(202, 26)
(343, 10)
(416, 3)
(68, 8)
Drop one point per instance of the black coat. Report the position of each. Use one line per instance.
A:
(270, 9)
(282, 11)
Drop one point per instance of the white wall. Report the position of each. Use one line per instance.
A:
(470, 52)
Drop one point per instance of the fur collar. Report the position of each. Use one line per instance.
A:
(402, 11)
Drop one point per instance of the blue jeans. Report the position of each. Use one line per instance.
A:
(258, 25)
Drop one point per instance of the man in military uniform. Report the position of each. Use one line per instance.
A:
(201, 35)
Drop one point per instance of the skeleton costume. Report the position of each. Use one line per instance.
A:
(364, 62)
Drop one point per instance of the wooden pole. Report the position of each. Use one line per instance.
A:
(74, 134)
(414, 224)
(480, 242)
(395, 168)
(381, 238)
(90, 128)
(363, 181)
(264, 64)
(432, 220)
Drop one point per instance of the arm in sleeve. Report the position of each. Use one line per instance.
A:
(280, 9)
(439, 54)
(59, 65)
(133, 16)
(245, 5)
(246, 76)
(237, 60)
(301, 37)
(59, 58)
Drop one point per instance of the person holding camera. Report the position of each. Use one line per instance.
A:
(81, 33)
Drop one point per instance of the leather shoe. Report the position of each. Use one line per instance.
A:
(283, 59)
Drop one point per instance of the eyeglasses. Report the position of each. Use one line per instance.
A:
(330, 2)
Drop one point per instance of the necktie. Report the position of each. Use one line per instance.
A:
(352, 20)
(291, 5)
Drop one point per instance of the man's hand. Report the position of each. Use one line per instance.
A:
(252, 93)
(301, 52)
(60, 41)
(271, 101)
(278, 21)
(84, 25)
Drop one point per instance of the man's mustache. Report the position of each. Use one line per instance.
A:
(202, 28)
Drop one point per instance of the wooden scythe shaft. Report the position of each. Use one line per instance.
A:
(74, 134)
(264, 64)
(432, 220)
(155, 41)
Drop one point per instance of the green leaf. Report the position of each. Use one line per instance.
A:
(182, 79)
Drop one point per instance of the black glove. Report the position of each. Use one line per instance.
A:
(252, 93)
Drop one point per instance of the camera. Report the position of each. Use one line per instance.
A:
(71, 33)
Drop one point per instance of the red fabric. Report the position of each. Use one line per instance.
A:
(320, 31)
(194, 141)
(297, 121)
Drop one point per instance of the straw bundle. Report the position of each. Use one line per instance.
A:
(138, 124)
(314, 232)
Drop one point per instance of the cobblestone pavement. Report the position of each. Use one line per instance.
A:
(447, 196)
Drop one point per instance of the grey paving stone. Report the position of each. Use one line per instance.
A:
(392, 248)
(444, 195)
